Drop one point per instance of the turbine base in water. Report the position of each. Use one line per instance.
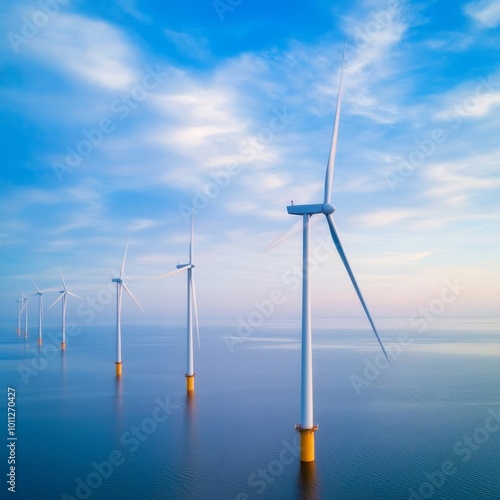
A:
(63, 346)
(118, 369)
(306, 443)
(39, 341)
(190, 382)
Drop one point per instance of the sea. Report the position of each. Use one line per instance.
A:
(427, 425)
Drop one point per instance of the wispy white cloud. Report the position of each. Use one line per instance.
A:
(387, 217)
(87, 49)
(191, 46)
(454, 184)
(202, 117)
(472, 99)
(452, 41)
(130, 7)
(77, 206)
(140, 224)
(373, 58)
(486, 13)
(486, 105)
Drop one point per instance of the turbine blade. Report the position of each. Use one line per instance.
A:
(124, 257)
(57, 300)
(291, 231)
(132, 295)
(191, 239)
(195, 308)
(62, 279)
(176, 271)
(338, 245)
(333, 146)
(73, 294)
(37, 289)
(285, 235)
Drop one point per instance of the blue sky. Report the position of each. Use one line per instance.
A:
(114, 114)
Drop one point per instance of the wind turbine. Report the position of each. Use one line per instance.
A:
(192, 310)
(19, 311)
(24, 301)
(120, 285)
(40, 311)
(306, 428)
(64, 297)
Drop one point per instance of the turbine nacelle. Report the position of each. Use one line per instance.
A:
(116, 280)
(317, 208)
(182, 266)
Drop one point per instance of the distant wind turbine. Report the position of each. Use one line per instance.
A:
(306, 428)
(192, 310)
(120, 285)
(64, 297)
(19, 311)
(40, 311)
(24, 308)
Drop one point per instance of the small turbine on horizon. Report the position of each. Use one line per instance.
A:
(24, 301)
(192, 309)
(19, 311)
(306, 428)
(120, 285)
(64, 297)
(40, 311)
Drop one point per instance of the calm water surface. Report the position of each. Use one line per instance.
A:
(83, 435)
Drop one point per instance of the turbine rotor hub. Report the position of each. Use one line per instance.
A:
(328, 208)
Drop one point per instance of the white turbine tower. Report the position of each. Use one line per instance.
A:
(24, 301)
(306, 428)
(40, 311)
(120, 285)
(64, 297)
(19, 311)
(192, 310)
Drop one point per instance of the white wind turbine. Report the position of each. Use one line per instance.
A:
(19, 311)
(120, 285)
(24, 301)
(306, 428)
(40, 311)
(64, 297)
(192, 310)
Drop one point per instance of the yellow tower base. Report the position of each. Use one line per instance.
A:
(118, 369)
(39, 341)
(190, 382)
(306, 443)
(63, 346)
